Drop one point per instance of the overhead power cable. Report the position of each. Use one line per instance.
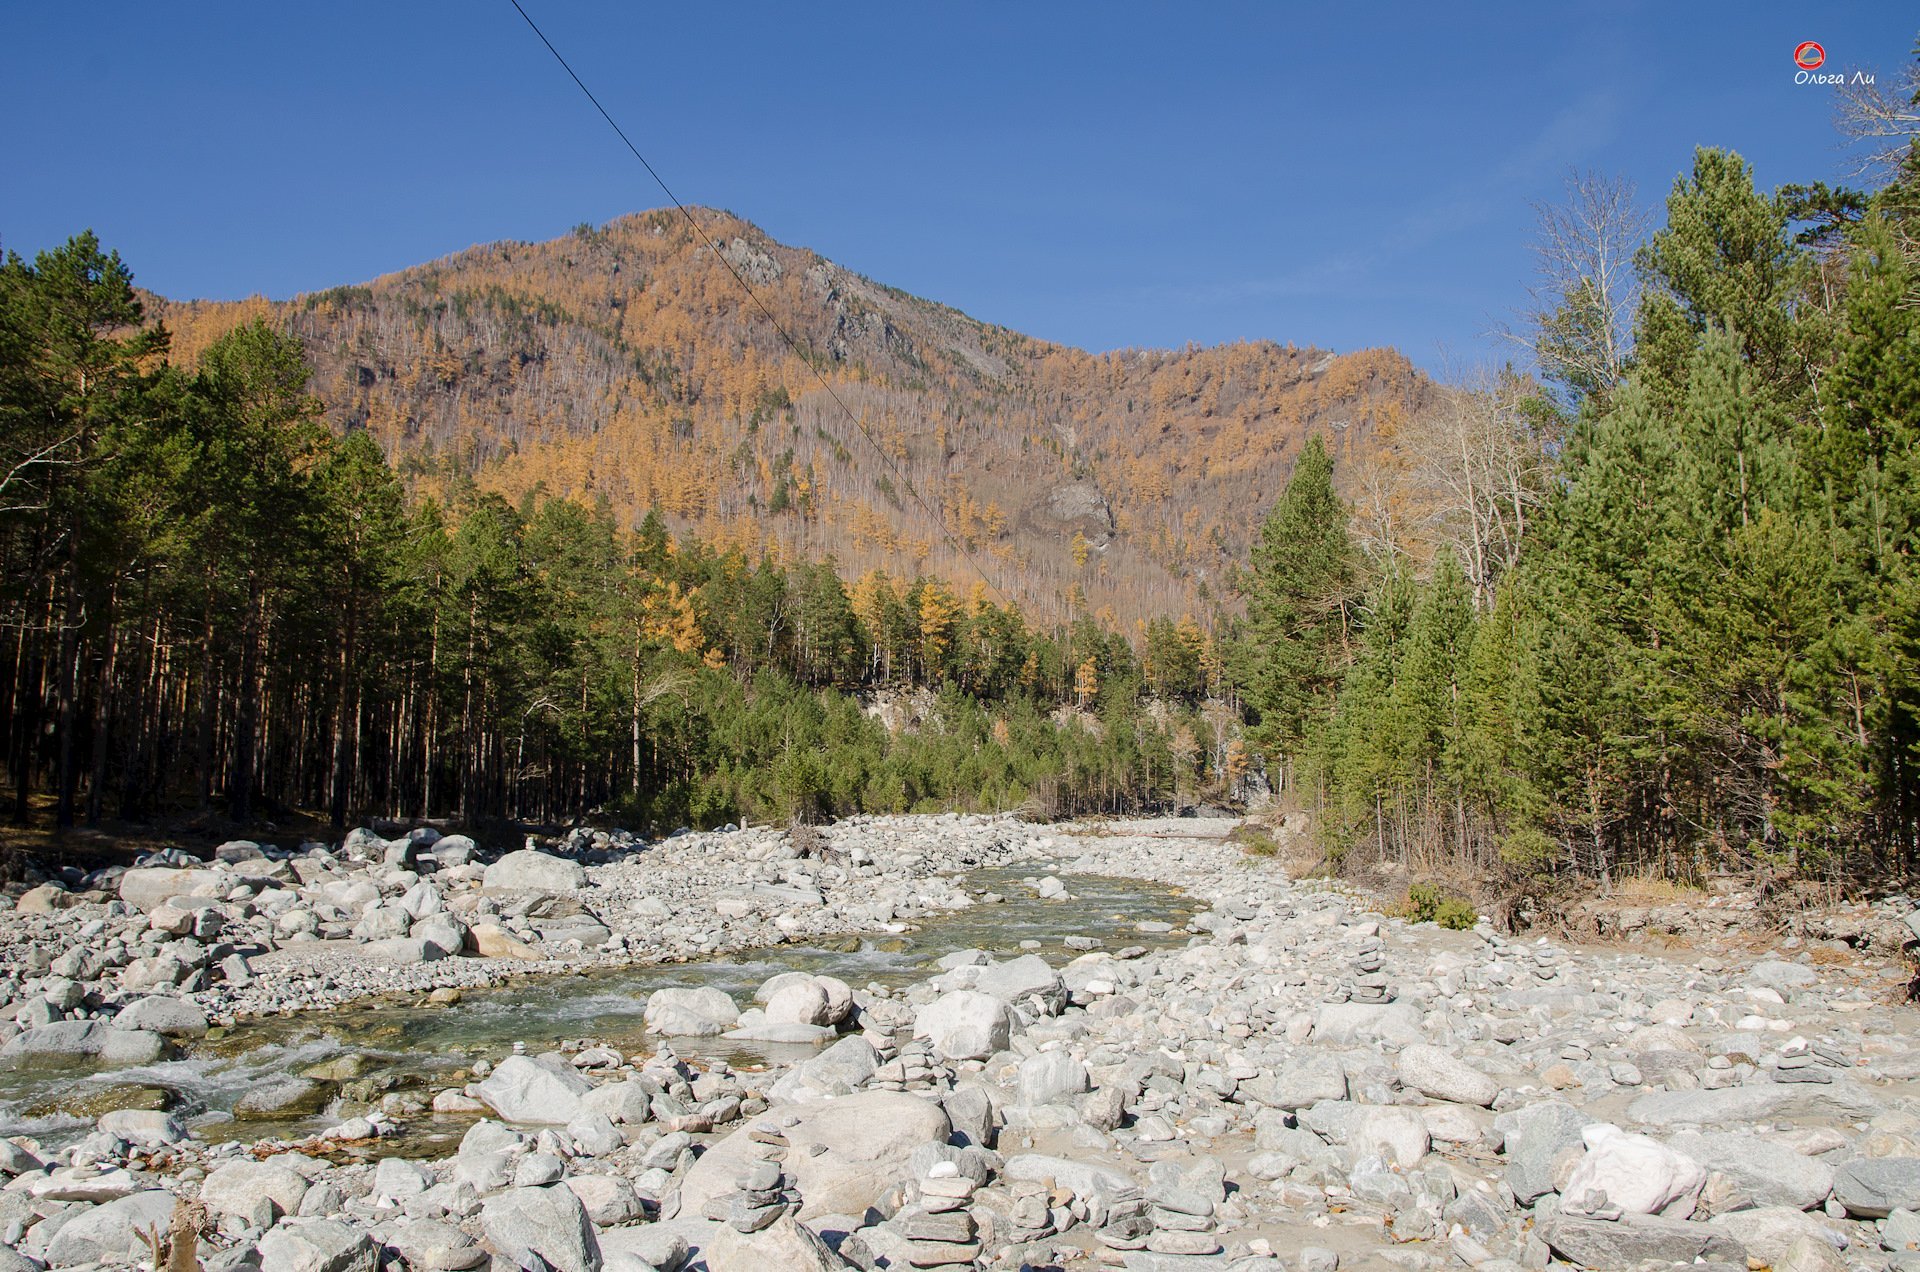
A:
(939, 521)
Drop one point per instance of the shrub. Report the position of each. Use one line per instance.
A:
(1427, 903)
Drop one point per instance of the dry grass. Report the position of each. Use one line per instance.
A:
(1651, 890)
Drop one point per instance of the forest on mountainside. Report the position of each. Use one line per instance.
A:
(626, 361)
(213, 600)
(1670, 620)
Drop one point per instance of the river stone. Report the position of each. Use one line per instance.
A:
(63, 1042)
(1874, 1187)
(490, 940)
(690, 1013)
(609, 1199)
(316, 1245)
(145, 887)
(1018, 979)
(522, 1089)
(530, 870)
(783, 1244)
(1444, 1076)
(629, 1102)
(1639, 1175)
(1754, 1102)
(654, 1245)
(165, 1015)
(1342, 1024)
(1768, 1232)
(1770, 1174)
(839, 1070)
(1402, 1133)
(1050, 1078)
(1083, 1179)
(238, 1188)
(965, 1024)
(1535, 1135)
(548, 1221)
(149, 1128)
(799, 1003)
(112, 1232)
(1299, 1083)
(284, 1098)
(1622, 1243)
(429, 1245)
(863, 1143)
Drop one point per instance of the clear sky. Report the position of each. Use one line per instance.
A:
(1107, 175)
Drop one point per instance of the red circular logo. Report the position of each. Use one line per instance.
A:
(1809, 55)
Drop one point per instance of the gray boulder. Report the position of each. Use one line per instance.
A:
(690, 1013)
(530, 870)
(527, 1090)
(111, 1232)
(1535, 1135)
(549, 1222)
(165, 1015)
(1019, 979)
(145, 887)
(316, 1245)
(1626, 1242)
(1444, 1076)
(1874, 1187)
(1770, 1174)
(1051, 1077)
(965, 1024)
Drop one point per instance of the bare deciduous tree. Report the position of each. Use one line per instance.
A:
(1578, 324)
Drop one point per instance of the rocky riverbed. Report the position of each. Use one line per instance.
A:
(1284, 1079)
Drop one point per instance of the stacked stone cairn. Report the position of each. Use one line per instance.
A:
(764, 1190)
(940, 1231)
(1370, 979)
(913, 1068)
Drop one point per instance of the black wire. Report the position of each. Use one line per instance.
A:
(792, 344)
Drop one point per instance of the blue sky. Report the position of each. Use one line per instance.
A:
(1105, 175)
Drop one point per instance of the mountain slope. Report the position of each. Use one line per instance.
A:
(626, 362)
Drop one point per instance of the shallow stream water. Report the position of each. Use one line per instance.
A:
(420, 1047)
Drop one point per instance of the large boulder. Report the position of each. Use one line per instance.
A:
(165, 1015)
(112, 1232)
(1768, 1232)
(1535, 1135)
(1639, 1175)
(317, 1245)
(839, 1070)
(1627, 1242)
(548, 1221)
(528, 1090)
(68, 1042)
(1299, 1083)
(490, 940)
(145, 887)
(690, 1013)
(844, 1153)
(284, 1098)
(1769, 1173)
(239, 1188)
(965, 1024)
(1874, 1187)
(530, 870)
(1050, 1077)
(1343, 1024)
(1441, 1075)
(783, 1244)
(1755, 1102)
(1023, 979)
